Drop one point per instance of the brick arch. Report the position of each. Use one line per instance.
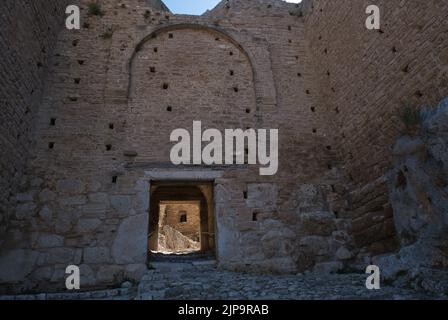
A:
(190, 80)
(257, 55)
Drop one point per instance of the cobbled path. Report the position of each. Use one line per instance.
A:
(202, 281)
(180, 281)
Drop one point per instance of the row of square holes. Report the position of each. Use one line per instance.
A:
(255, 213)
(111, 126)
(53, 123)
(171, 36)
(108, 146)
(153, 70)
(115, 178)
(170, 109)
(165, 87)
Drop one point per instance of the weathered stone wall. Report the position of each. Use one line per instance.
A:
(365, 78)
(157, 5)
(121, 84)
(172, 216)
(106, 119)
(27, 37)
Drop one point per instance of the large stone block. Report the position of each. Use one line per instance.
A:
(46, 195)
(25, 197)
(343, 254)
(314, 246)
(70, 186)
(309, 198)
(320, 223)
(262, 196)
(66, 256)
(94, 210)
(43, 273)
(49, 241)
(111, 274)
(62, 225)
(88, 225)
(99, 197)
(15, 265)
(130, 244)
(46, 213)
(278, 243)
(73, 201)
(122, 204)
(97, 255)
(25, 210)
(136, 271)
(87, 276)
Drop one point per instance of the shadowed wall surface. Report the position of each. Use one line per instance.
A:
(117, 88)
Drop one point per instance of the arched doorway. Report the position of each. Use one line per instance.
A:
(181, 218)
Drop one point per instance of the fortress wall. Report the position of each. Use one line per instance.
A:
(111, 101)
(27, 37)
(365, 79)
(104, 123)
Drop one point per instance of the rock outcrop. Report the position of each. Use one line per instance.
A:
(171, 240)
(418, 186)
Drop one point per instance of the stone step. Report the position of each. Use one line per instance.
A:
(171, 266)
(183, 265)
(210, 262)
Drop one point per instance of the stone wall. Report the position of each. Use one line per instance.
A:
(157, 5)
(120, 85)
(365, 78)
(27, 38)
(171, 215)
(110, 104)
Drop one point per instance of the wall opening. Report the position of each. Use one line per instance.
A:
(179, 227)
(181, 219)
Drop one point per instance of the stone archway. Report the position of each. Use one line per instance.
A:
(182, 192)
(213, 31)
(256, 50)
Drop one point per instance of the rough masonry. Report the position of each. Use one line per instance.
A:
(83, 145)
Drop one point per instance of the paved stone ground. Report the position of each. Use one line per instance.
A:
(202, 281)
(183, 281)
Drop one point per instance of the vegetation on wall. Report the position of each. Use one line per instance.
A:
(410, 115)
(95, 9)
